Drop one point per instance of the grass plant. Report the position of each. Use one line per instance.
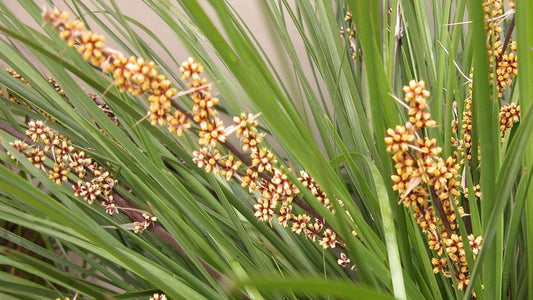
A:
(390, 158)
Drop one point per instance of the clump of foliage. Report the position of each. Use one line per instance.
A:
(220, 177)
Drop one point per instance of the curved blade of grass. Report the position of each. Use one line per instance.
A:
(395, 264)
(524, 20)
(302, 285)
(20, 287)
(50, 273)
(486, 124)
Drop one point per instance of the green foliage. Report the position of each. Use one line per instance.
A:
(330, 121)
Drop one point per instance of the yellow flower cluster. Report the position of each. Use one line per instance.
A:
(94, 181)
(90, 45)
(262, 175)
(493, 9)
(465, 143)
(140, 227)
(212, 132)
(312, 186)
(509, 115)
(428, 184)
(349, 32)
(131, 74)
(246, 131)
(415, 96)
(504, 66)
(503, 55)
(507, 67)
(477, 192)
(89, 180)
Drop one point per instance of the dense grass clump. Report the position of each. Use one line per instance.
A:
(390, 158)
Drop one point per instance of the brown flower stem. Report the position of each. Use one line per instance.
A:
(15, 133)
(237, 153)
(157, 230)
(507, 38)
(442, 214)
(183, 110)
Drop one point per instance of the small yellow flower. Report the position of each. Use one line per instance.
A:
(140, 227)
(211, 133)
(343, 260)
(228, 167)
(59, 172)
(329, 239)
(398, 139)
(313, 230)
(300, 223)
(415, 92)
(246, 125)
(36, 157)
(178, 123)
(509, 115)
(263, 160)
(265, 209)
(157, 296)
(191, 69)
(250, 180)
(251, 142)
(207, 159)
(285, 215)
(37, 130)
